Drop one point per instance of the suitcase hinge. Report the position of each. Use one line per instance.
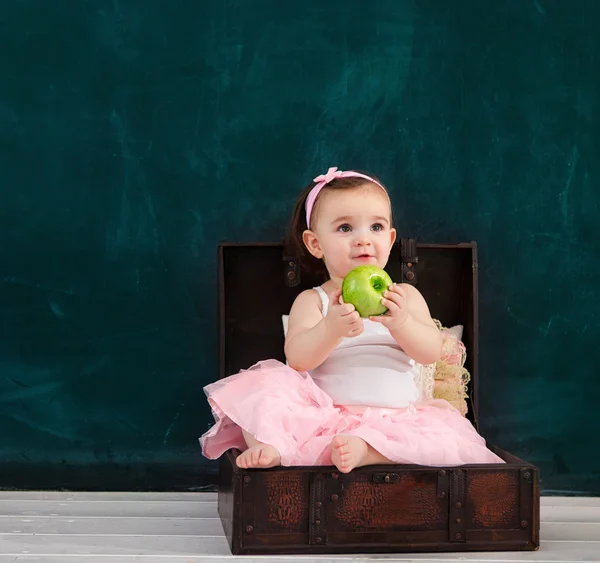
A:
(291, 271)
(409, 259)
(457, 522)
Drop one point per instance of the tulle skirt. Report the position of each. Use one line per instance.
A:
(287, 410)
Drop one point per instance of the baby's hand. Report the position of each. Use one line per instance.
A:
(342, 319)
(394, 298)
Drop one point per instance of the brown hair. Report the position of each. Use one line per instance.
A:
(294, 244)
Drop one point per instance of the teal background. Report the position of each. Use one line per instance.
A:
(135, 135)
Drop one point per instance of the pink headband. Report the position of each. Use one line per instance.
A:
(324, 179)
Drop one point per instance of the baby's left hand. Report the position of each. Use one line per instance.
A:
(397, 314)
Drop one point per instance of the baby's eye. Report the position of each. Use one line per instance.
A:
(377, 227)
(345, 228)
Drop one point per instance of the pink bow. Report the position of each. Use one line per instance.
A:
(331, 174)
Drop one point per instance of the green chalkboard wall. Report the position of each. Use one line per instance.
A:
(135, 135)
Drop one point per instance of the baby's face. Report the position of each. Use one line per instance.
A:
(352, 228)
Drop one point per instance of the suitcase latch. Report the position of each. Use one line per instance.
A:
(390, 478)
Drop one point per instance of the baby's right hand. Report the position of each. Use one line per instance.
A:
(342, 319)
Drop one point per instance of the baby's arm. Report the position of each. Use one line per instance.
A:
(308, 342)
(417, 334)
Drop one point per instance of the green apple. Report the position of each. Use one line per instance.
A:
(364, 287)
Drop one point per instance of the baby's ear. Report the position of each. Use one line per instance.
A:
(392, 237)
(311, 241)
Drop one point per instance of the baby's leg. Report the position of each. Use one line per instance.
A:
(258, 455)
(348, 452)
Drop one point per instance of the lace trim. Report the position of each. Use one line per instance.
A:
(425, 380)
(450, 378)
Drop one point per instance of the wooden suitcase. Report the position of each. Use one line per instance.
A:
(395, 508)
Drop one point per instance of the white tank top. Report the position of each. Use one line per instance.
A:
(368, 369)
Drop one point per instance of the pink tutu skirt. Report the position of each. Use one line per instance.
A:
(287, 410)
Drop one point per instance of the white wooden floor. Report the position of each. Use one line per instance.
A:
(167, 528)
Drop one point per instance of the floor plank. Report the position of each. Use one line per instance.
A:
(119, 546)
(210, 497)
(570, 514)
(112, 526)
(570, 531)
(211, 527)
(108, 509)
(53, 527)
(107, 496)
(205, 509)
(548, 558)
(565, 501)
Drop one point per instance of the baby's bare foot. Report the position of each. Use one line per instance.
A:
(348, 452)
(259, 456)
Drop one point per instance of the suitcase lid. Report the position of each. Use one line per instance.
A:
(258, 284)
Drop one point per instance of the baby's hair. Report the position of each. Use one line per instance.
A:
(293, 242)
